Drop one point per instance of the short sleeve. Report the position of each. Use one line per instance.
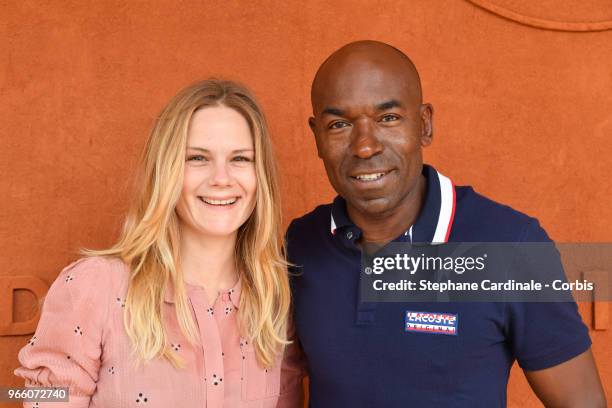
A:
(65, 351)
(293, 371)
(545, 334)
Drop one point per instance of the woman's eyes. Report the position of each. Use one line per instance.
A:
(201, 158)
(197, 158)
(242, 159)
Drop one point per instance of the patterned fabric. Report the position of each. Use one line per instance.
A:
(81, 343)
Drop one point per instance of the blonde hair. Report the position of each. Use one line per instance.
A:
(149, 242)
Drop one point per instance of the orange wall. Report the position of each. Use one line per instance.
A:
(523, 110)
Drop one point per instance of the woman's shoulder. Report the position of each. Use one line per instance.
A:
(97, 273)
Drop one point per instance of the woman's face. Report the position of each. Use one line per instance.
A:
(220, 183)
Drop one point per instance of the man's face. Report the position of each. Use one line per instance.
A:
(370, 127)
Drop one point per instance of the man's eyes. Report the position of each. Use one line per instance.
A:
(389, 118)
(338, 125)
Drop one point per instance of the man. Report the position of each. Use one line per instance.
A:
(370, 127)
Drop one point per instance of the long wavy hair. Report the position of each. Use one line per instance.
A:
(149, 242)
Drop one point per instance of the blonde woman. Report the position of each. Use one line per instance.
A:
(190, 307)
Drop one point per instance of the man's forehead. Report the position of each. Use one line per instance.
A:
(361, 89)
(365, 72)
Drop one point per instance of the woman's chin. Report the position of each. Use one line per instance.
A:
(218, 231)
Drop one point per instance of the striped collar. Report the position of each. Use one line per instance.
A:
(433, 224)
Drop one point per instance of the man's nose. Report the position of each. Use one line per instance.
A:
(365, 142)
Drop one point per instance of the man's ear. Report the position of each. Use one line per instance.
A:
(426, 124)
(311, 123)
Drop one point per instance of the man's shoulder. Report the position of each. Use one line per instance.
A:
(309, 234)
(472, 203)
(477, 218)
(312, 221)
(480, 218)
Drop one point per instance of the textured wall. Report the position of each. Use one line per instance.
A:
(521, 91)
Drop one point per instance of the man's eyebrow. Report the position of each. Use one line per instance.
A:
(390, 104)
(333, 111)
(393, 103)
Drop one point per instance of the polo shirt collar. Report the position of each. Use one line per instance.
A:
(433, 225)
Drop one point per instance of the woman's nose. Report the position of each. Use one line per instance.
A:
(220, 175)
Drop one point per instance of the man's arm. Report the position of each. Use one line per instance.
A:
(574, 383)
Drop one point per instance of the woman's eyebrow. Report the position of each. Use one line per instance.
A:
(198, 148)
(201, 149)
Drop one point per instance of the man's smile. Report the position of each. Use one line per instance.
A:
(371, 177)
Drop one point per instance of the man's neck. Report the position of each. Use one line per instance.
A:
(384, 228)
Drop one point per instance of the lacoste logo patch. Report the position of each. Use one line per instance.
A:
(432, 323)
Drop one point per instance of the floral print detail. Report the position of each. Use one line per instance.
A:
(210, 311)
(228, 310)
(68, 278)
(32, 341)
(141, 399)
(175, 347)
(78, 331)
(216, 380)
(111, 370)
(120, 302)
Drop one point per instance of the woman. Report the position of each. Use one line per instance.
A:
(190, 307)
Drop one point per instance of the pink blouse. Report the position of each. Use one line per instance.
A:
(81, 343)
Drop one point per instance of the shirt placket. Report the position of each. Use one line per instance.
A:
(212, 349)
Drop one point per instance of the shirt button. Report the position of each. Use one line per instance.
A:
(349, 235)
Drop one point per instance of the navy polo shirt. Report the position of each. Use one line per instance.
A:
(359, 354)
